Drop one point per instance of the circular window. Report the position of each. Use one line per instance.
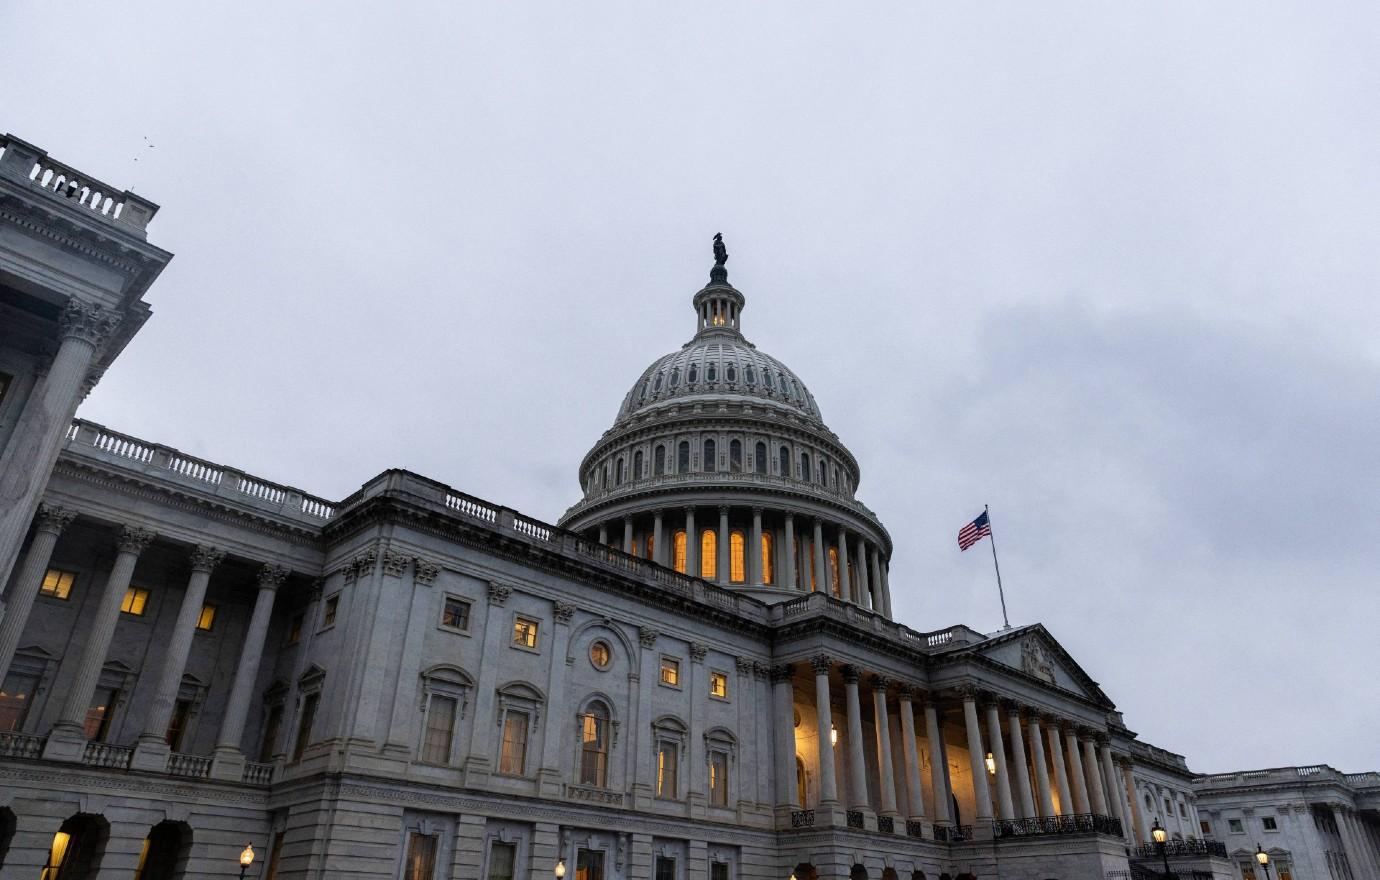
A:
(600, 654)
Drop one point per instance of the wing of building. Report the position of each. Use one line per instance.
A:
(696, 675)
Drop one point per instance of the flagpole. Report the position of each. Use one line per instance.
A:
(992, 537)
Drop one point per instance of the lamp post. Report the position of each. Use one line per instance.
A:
(1159, 835)
(1263, 859)
(560, 868)
(246, 859)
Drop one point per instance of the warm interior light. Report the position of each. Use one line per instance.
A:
(560, 869)
(1261, 856)
(247, 857)
(1159, 833)
(833, 735)
(991, 764)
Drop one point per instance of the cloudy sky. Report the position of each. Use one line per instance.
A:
(1111, 270)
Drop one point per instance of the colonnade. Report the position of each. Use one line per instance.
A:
(801, 553)
(67, 739)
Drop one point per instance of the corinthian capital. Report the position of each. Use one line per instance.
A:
(205, 558)
(134, 539)
(271, 577)
(89, 323)
(52, 518)
(822, 663)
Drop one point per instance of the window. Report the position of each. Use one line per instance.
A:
(679, 541)
(637, 465)
(135, 602)
(710, 456)
(98, 714)
(665, 868)
(670, 671)
(651, 546)
(589, 864)
(768, 570)
(600, 654)
(440, 729)
(594, 746)
(683, 457)
(834, 571)
(304, 725)
(750, 374)
(513, 755)
(207, 618)
(656, 386)
(693, 375)
(718, 871)
(759, 458)
(525, 632)
(1234, 826)
(737, 551)
(731, 372)
(735, 456)
(1268, 823)
(620, 470)
(16, 696)
(718, 779)
(455, 614)
(328, 612)
(269, 744)
(785, 461)
(659, 459)
(804, 465)
(711, 373)
(718, 685)
(675, 376)
(295, 628)
(421, 857)
(57, 584)
(667, 761)
(709, 554)
(1205, 827)
(1183, 810)
(177, 724)
(502, 860)
(1283, 870)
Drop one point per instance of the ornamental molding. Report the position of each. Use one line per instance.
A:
(698, 651)
(744, 665)
(781, 672)
(1034, 660)
(647, 636)
(563, 611)
(395, 563)
(271, 576)
(205, 557)
(133, 539)
(46, 227)
(851, 674)
(499, 594)
(53, 519)
(821, 663)
(89, 323)
(361, 565)
(52, 786)
(424, 572)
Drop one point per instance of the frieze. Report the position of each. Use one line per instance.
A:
(46, 229)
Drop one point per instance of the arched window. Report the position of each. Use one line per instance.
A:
(785, 461)
(683, 457)
(768, 570)
(711, 373)
(834, 571)
(731, 372)
(620, 470)
(737, 556)
(735, 455)
(604, 477)
(656, 386)
(643, 395)
(821, 472)
(709, 555)
(594, 745)
(693, 375)
(679, 546)
(675, 376)
(659, 459)
(805, 471)
(709, 456)
(766, 380)
(750, 374)
(637, 465)
(759, 463)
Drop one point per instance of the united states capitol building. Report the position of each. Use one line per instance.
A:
(695, 675)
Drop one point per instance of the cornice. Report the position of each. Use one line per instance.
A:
(51, 779)
(77, 237)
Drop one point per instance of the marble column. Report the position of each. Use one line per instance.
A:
(33, 447)
(1098, 798)
(1174, 809)
(788, 554)
(1037, 753)
(67, 742)
(845, 590)
(981, 793)
(857, 765)
(821, 571)
(1081, 804)
(1129, 783)
(886, 781)
(754, 549)
(228, 762)
(627, 534)
(725, 554)
(828, 778)
(783, 727)
(603, 535)
(874, 571)
(640, 741)
(1024, 795)
(152, 750)
(658, 537)
(48, 525)
(886, 589)
(692, 544)
(1114, 803)
(1061, 776)
(557, 713)
(997, 744)
(939, 768)
(864, 595)
(915, 795)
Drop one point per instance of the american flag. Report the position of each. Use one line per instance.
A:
(974, 531)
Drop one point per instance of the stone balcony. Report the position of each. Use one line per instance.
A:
(27, 747)
(32, 168)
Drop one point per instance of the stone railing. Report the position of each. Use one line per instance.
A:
(825, 605)
(191, 766)
(1178, 848)
(257, 774)
(1310, 773)
(594, 795)
(25, 163)
(1078, 823)
(1158, 755)
(100, 754)
(21, 745)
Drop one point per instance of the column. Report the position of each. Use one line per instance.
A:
(864, 595)
(627, 534)
(1173, 797)
(228, 762)
(981, 794)
(49, 523)
(1114, 803)
(658, 538)
(1061, 776)
(857, 766)
(915, 800)
(1094, 777)
(1023, 792)
(152, 751)
(754, 549)
(787, 554)
(821, 570)
(783, 727)
(692, 544)
(37, 439)
(67, 742)
(1037, 752)
(886, 589)
(939, 767)
(549, 780)
(886, 781)
(603, 535)
(845, 592)
(998, 745)
(725, 557)
(640, 742)
(1081, 804)
(828, 779)
(1129, 783)
(875, 570)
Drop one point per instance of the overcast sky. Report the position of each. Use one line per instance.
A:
(1109, 269)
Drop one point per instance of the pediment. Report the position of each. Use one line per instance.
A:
(1035, 653)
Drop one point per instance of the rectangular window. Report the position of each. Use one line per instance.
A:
(98, 715)
(455, 614)
(670, 671)
(718, 685)
(57, 584)
(718, 871)
(513, 759)
(421, 857)
(177, 724)
(328, 613)
(525, 632)
(665, 868)
(304, 725)
(272, 725)
(667, 764)
(207, 618)
(440, 730)
(295, 628)
(1205, 827)
(589, 864)
(1268, 822)
(16, 695)
(1234, 826)
(135, 602)
(1183, 810)
(718, 779)
(502, 860)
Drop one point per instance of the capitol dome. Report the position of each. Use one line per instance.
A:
(720, 465)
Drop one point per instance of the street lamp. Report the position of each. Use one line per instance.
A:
(1159, 835)
(246, 859)
(833, 735)
(991, 762)
(560, 869)
(1263, 858)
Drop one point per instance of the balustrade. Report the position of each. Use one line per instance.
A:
(98, 754)
(1076, 823)
(191, 766)
(257, 774)
(21, 745)
(1190, 847)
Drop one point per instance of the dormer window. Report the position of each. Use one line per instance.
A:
(675, 377)
(732, 373)
(711, 373)
(694, 375)
(750, 374)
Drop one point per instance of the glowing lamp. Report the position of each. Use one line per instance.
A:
(246, 858)
(991, 764)
(833, 735)
(1261, 856)
(1158, 833)
(560, 869)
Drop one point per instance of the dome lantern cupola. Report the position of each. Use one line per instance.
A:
(718, 305)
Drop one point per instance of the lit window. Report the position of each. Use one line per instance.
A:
(679, 561)
(834, 571)
(16, 696)
(718, 685)
(57, 584)
(1235, 827)
(1268, 822)
(421, 857)
(295, 628)
(525, 632)
(207, 618)
(667, 754)
(589, 864)
(670, 671)
(328, 613)
(513, 757)
(718, 779)
(594, 746)
(737, 551)
(768, 570)
(651, 547)
(440, 729)
(98, 713)
(135, 602)
(455, 614)
(709, 554)
(600, 654)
